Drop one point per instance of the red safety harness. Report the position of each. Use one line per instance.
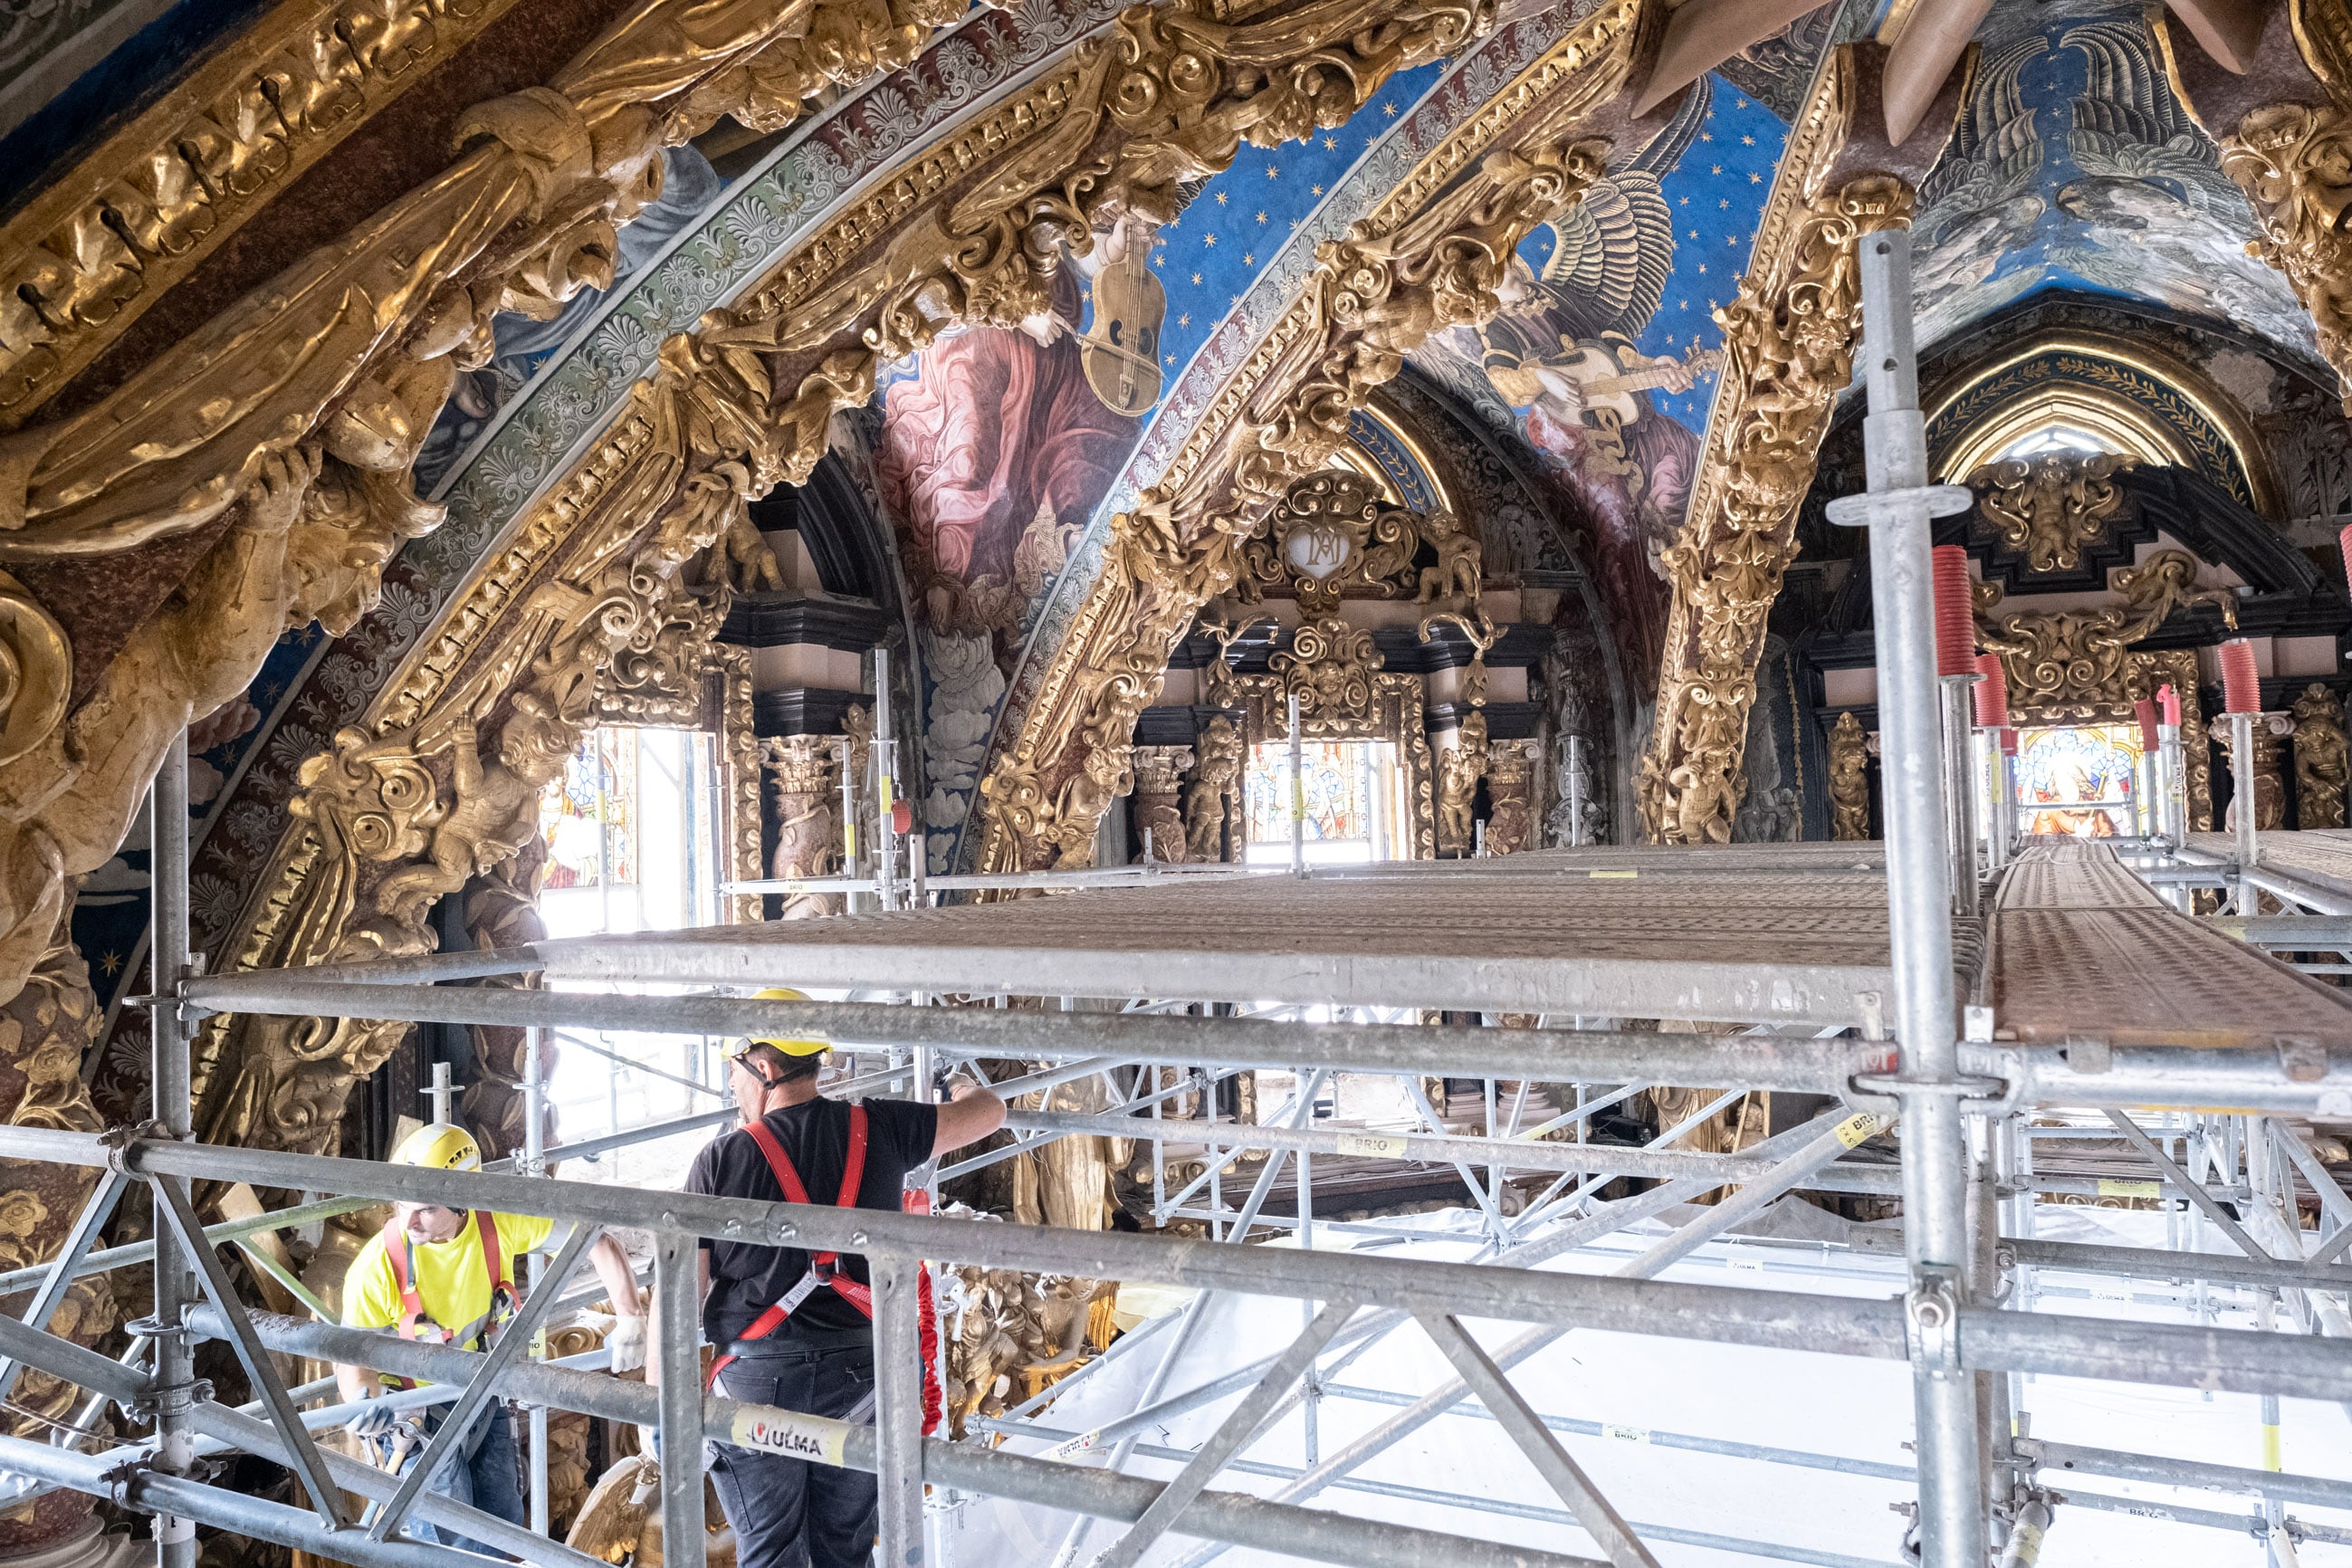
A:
(824, 1267)
(416, 1322)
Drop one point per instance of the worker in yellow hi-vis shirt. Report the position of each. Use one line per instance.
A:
(448, 1277)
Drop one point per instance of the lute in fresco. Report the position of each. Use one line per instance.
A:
(1120, 351)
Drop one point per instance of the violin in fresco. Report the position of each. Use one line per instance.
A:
(1120, 351)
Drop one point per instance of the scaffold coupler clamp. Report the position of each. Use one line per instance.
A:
(120, 1139)
(1931, 1323)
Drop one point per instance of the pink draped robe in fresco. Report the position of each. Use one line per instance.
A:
(993, 427)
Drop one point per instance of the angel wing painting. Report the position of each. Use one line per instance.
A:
(1562, 356)
(1983, 199)
(2154, 214)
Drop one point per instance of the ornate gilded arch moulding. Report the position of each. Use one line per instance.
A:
(430, 787)
(273, 445)
(1789, 338)
(1431, 252)
(2148, 404)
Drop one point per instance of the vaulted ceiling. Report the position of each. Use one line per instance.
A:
(160, 165)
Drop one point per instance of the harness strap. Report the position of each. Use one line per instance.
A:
(822, 1268)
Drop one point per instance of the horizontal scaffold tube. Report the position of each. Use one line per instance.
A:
(1748, 1062)
(2233, 1360)
(153, 1491)
(1216, 1516)
(1516, 1154)
(2133, 1079)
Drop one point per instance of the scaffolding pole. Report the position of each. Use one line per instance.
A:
(1897, 508)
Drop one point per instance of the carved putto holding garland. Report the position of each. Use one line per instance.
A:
(2048, 508)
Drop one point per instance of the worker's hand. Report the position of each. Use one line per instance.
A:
(626, 1341)
(373, 1420)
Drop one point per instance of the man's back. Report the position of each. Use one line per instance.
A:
(745, 1281)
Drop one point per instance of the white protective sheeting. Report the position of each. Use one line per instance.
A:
(1646, 1390)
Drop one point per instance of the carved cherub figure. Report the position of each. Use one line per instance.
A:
(1460, 560)
(1212, 795)
(496, 807)
(1460, 767)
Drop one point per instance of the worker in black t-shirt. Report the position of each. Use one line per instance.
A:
(795, 1330)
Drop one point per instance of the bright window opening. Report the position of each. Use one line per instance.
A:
(2072, 439)
(2079, 782)
(1350, 795)
(633, 832)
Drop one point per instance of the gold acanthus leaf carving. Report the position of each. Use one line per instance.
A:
(2049, 508)
(1790, 337)
(2293, 161)
(2071, 665)
(1432, 256)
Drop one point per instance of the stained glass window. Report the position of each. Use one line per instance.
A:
(589, 817)
(2079, 782)
(1349, 794)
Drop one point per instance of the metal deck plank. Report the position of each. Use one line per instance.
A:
(2078, 955)
(1748, 946)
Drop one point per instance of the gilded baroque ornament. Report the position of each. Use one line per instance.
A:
(2323, 762)
(2070, 667)
(287, 424)
(1432, 255)
(1329, 533)
(2049, 508)
(1849, 779)
(1790, 337)
(2292, 161)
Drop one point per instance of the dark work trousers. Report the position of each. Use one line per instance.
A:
(789, 1512)
(482, 1472)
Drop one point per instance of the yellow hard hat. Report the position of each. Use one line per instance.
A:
(439, 1146)
(790, 1048)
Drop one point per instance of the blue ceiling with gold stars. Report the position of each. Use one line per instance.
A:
(1207, 258)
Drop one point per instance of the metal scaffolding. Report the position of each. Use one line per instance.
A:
(1318, 976)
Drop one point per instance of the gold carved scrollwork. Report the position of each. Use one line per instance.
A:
(1328, 667)
(2049, 508)
(1789, 338)
(2293, 161)
(2070, 666)
(1329, 533)
(1849, 779)
(2323, 762)
(1432, 255)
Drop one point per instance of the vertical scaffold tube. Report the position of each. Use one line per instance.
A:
(899, 1410)
(677, 1348)
(175, 1290)
(1935, 1159)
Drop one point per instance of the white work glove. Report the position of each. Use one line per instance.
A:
(373, 1420)
(626, 1341)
